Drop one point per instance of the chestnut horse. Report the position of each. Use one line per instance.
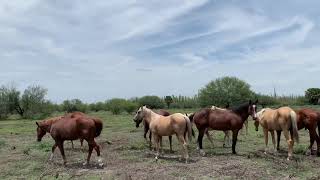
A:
(146, 129)
(177, 124)
(52, 120)
(223, 120)
(281, 119)
(309, 119)
(71, 127)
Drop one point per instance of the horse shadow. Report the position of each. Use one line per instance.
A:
(170, 157)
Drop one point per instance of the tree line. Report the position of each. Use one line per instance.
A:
(32, 102)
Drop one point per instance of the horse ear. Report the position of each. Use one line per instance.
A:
(37, 124)
(228, 105)
(257, 101)
(250, 102)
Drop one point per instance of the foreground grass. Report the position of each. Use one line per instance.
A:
(126, 154)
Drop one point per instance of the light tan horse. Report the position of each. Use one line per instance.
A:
(284, 119)
(177, 124)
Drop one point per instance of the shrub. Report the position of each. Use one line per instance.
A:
(116, 105)
(223, 91)
(74, 105)
(313, 95)
(153, 102)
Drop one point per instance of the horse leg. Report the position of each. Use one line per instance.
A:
(150, 141)
(265, 132)
(209, 137)
(91, 145)
(81, 142)
(226, 139)
(234, 140)
(184, 147)
(312, 135)
(156, 139)
(60, 146)
(52, 151)
(273, 141)
(170, 142)
(161, 146)
(72, 144)
(278, 139)
(290, 143)
(246, 124)
(200, 137)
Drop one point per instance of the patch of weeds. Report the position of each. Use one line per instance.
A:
(299, 149)
(2, 143)
(44, 146)
(26, 151)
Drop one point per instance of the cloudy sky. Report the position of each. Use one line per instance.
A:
(96, 50)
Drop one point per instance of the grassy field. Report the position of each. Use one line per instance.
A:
(126, 155)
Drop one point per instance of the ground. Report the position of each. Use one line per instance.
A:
(127, 156)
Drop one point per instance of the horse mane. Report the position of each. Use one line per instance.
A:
(240, 107)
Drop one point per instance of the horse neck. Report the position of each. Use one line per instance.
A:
(151, 116)
(242, 111)
(46, 125)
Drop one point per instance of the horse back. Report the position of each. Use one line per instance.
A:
(73, 128)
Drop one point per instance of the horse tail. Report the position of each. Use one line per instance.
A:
(293, 116)
(188, 128)
(98, 124)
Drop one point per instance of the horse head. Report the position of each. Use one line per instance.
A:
(253, 109)
(40, 131)
(138, 117)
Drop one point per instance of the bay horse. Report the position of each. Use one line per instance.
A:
(281, 119)
(146, 129)
(159, 125)
(309, 119)
(72, 127)
(223, 120)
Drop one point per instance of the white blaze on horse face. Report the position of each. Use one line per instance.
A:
(254, 111)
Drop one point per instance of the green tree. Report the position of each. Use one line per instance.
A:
(224, 90)
(153, 102)
(313, 95)
(168, 100)
(74, 105)
(116, 105)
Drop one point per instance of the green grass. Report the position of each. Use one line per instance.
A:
(128, 155)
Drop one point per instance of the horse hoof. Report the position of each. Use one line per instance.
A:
(156, 158)
(308, 152)
(265, 152)
(202, 153)
(85, 164)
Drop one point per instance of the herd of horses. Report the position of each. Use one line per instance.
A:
(78, 125)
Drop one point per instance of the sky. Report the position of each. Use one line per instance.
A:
(97, 50)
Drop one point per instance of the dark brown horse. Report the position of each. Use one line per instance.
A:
(146, 129)
(72, 127)
(309, 119)
(222, 120)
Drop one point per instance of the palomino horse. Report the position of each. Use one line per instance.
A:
(177, 124)
(281, 119)
(309, 119)
(146, 129)
(72, 127)
(223, 120)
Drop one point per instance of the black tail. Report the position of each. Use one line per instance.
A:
(98, 123)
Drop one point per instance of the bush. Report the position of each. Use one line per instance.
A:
(74, 105)
(99, 106)
(130, 107)
(313, 95)
(223, 91)
(153, 102)
(116, 105)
